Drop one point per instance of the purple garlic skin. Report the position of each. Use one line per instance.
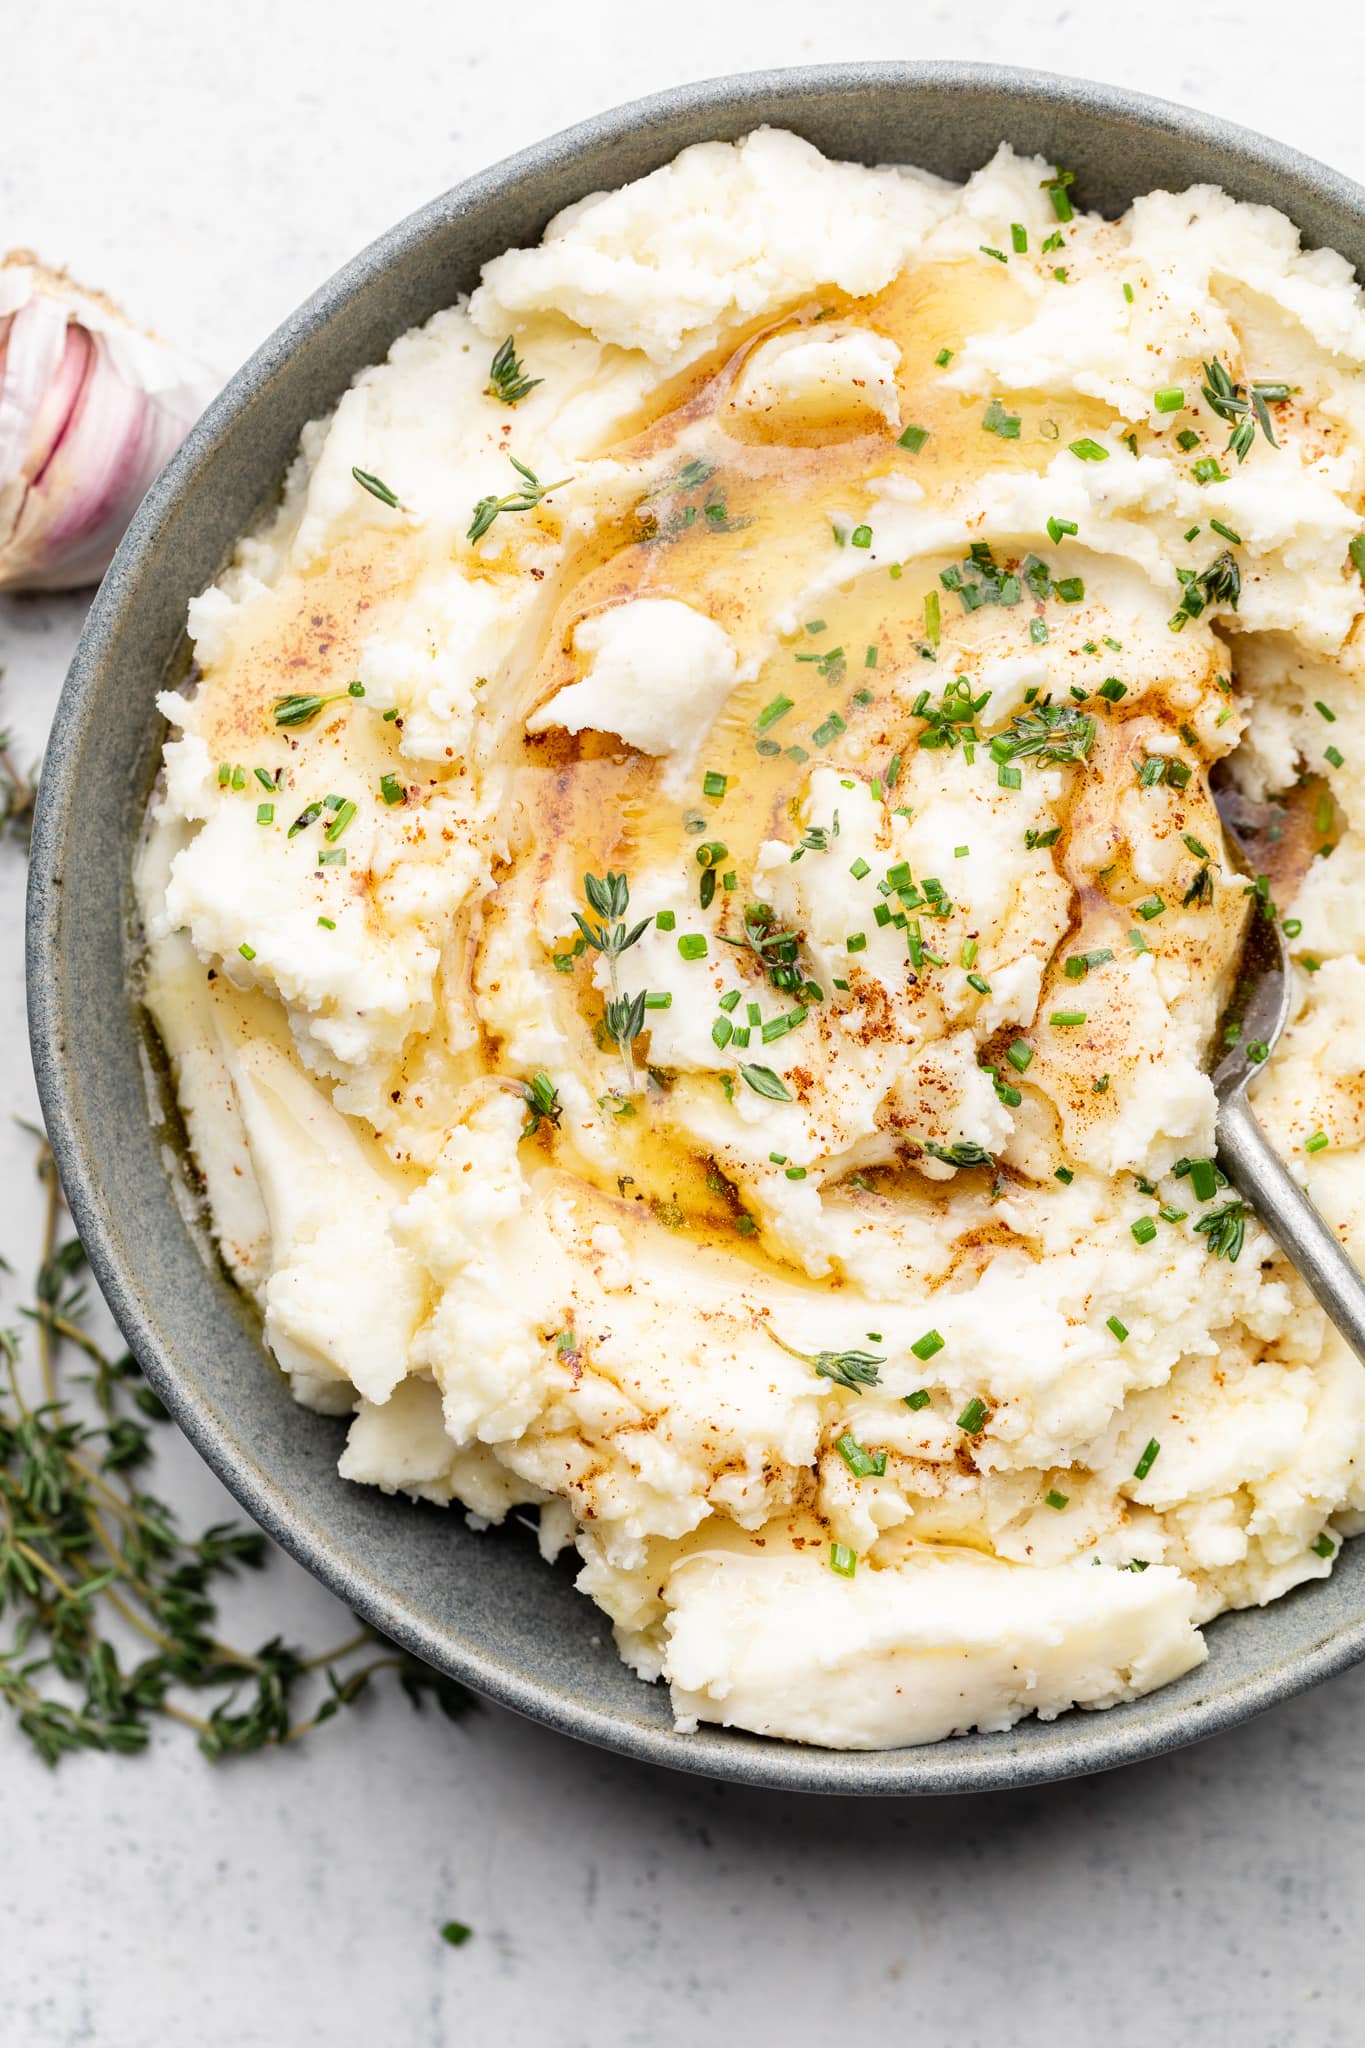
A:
(90, 409)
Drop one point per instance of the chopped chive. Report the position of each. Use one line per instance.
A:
(943, 358)
(1037, 632)
(1064, 1175)
(1020, 1056)
(247, 952)
(1335, 756)
(856, 942)
(972, 1416)
(1119, 1329)
(1053, 1499)
(861, 536)
(842, 1560)
(919, 1399)
(1317, 1143)
(982, 987)
(770, 713)
(1128, 292)
(329, 922)
(344, 815)
(862, 1464)
(1066, 1018)
(1018, 237)
(859, 869)
(692, 945)
(1323, 1545)
(926, 1346)
(995, 420)
(914, 439)
(1144, 1230)
(1148, 1459)
(1150, 908)
(1057, 527)
(713, 783)
(1009, 775)
(1169, 399)
(998, 254)
(1088, 450)
(265, 814)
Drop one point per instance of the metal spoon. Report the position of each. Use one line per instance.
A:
(1261, 1004)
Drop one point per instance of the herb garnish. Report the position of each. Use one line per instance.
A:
(1057, 734)
(609, 896)
(965, 1153)
(83, 1541)
(523, 500)
(1244, 407)
(377, 488)
(302, 709)
(1220, 583)
(542, 1100)
(853, 1370)
(507, 381)
(710, 513)
(1225, 1229)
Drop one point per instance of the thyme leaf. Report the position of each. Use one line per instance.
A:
(507, 380)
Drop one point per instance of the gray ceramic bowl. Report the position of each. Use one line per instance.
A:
(484, 1608)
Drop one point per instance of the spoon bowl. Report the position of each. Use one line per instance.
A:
(1253, 1023)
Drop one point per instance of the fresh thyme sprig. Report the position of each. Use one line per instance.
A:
(711, 514)
(542, 1102)
(853, 1370)
(507, 381)
(524, 500)
(304, 708)
(1225, 1229)
(107, 1610)
(609, 896)
(1219, 583)
(1056, 734)
(965, 1153)
(1244, 407)
(777, 950)
(626, 1020)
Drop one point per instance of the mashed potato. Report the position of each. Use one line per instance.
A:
(689, 922)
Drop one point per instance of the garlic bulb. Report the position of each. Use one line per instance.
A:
(90, 408)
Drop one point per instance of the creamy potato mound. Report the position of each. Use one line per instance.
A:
(688, 918)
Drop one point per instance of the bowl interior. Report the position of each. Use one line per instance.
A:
(483, 1607)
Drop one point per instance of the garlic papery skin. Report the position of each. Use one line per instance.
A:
(90, 408)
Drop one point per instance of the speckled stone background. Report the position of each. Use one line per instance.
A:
(209, 166)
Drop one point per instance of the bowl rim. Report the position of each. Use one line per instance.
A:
(943, 1768)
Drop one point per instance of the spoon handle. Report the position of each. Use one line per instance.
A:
(1261, 1177)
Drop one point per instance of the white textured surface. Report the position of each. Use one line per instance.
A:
(209, 167)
